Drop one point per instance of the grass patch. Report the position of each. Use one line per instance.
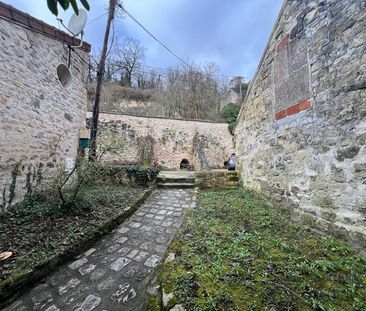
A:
(235, 252)
(36, 230)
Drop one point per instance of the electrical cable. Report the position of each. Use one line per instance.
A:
(151, 35)
(97, 18)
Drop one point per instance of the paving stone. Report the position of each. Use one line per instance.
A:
(97, 275)
(162, 239)
(141, 256)
(159, 230)
(135, 225)
(160, 248)
(86, 269)
(78, 263)
(89, 304)
(146, 228)
(149, 215)
(131, 271)
(74, 295)
(89, 252)
(123, 230)
(159, 217)
(108, 283)
(42, 299)
(131, 295)
(121, 292)
(152, 261)
(16, 306)
(146, 246)
(167, 223)
(124, 250)
(133, 253)
(120, 263)
(122, 240)
(71, 284)
(113, 248)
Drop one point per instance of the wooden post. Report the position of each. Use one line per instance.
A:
(100, 76)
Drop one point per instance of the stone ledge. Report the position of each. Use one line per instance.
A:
(12, 288)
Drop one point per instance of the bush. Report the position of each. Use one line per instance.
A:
(230, 113)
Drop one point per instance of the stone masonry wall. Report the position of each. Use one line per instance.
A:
(301, 133)
(168, 141)
(40, 118)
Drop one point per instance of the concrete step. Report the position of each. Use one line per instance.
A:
(175, 185)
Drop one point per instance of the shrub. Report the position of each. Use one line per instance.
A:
(230, 113)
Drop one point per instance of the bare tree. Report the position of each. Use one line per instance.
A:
(129, 57)
(192, 92)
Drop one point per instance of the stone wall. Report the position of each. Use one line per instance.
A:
(217, 179)
(301, 133)
(167, 141)
(40, 118)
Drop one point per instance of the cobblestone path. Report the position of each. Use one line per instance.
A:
(116, 273)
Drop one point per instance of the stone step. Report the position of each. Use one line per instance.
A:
(172, 180)
(175, 185)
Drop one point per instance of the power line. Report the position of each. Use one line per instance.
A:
(97, 18)
(151, 35)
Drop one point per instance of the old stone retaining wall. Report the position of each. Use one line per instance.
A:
(301, 133)
(166, 141)
(40, 118)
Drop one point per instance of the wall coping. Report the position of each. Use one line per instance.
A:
(161, 118)
(18, 17)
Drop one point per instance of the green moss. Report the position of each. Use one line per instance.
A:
(153, 303)
(236, 251)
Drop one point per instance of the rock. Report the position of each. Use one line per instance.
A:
(167, 297)
(169, 258)
(178, 308)
(53, 308)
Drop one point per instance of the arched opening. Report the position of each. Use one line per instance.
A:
(184, 164)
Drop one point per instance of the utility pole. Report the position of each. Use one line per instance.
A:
(100, 76)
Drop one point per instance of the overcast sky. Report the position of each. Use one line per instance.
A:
(231, 33)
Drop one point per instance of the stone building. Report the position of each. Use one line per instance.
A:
(40, 115)
(169, 142)
(301, 133)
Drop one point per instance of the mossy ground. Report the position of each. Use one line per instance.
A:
(39, 230)
(235, 252)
